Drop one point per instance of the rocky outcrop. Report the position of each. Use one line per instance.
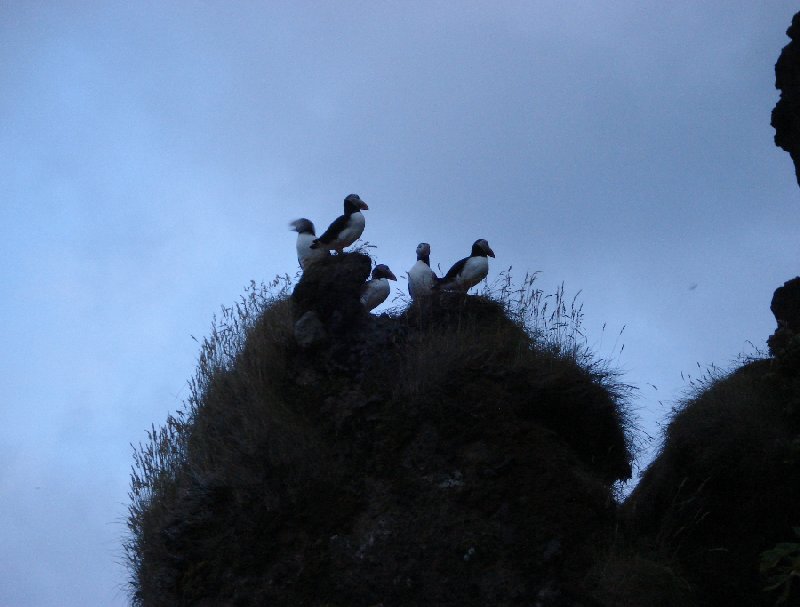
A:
(786, 115)
(436, 457)
(309, 330)
(331, 289)
(784, 344)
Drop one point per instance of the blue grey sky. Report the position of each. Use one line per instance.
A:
(153, 153)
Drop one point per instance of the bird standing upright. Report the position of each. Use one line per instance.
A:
(420, 277)
(375, 291)
(305, 236)
(468, 272)
(345, 229)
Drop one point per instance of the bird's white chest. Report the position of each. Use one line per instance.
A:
(375, 293)
(475, 270)
(305, 254)
(420, 280)
(352, 231)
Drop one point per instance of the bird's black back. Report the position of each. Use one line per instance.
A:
(456, 269)
(339, 224)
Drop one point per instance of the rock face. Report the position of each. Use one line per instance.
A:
(443, 460)
(784, 344)
(309, 330)
(786, 115)
(331, 288)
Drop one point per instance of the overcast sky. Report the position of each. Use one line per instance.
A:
(152, 154)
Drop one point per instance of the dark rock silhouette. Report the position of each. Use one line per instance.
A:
(784, 344)
(786, 114)
(331, 289)
(785, 304)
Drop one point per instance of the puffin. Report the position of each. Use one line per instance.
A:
(305, 236)
(375, 291)
(420, 277)
(345, 229)
(468, 272)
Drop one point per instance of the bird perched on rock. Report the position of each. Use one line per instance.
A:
(420, 277)
(305, 236)
(375, 291)
(345, 229)
(468, 272)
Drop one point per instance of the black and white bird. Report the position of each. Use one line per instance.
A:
(375, 291)
(468, 272)
(345, 229)
(420, 277)
(305, 236)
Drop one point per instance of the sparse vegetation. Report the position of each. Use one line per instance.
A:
(192, 452)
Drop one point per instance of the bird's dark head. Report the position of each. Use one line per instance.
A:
(481, 248)
(383, 271)
(302, 225)
(423, 250)
(354, 203)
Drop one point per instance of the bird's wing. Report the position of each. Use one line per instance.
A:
(455, 270)
(365, 292)
(339, 224)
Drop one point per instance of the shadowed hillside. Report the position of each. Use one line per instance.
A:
(451, 455)
(725, 488)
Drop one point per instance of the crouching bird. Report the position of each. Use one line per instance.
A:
(305, 236)
(420, 277)
(345, 229)
(468, 272)
(375, 291)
